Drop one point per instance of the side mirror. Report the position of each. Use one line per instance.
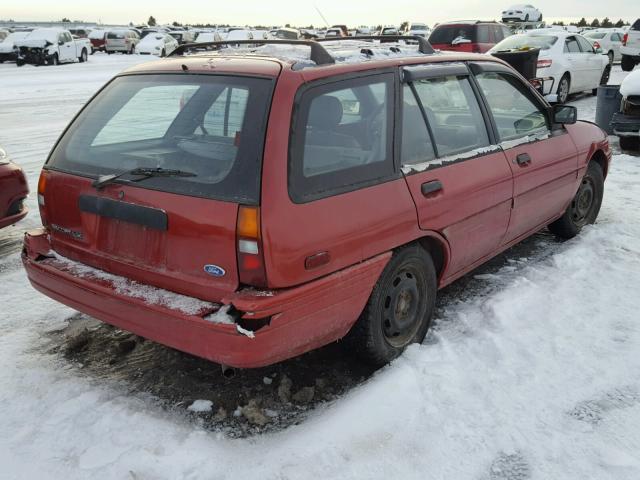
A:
(565, 114)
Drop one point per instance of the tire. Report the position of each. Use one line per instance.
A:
(526, 17)
(585, 206)
(611, 57)
(163, 53)
(627, 63)
(564, 87)
(19, 63)
(83, 56)
(399, 310)
(53, 60)
(604, 79)
(540, 19)
(630, 143)
(93, 50)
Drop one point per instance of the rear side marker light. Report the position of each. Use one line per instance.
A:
(42, 187)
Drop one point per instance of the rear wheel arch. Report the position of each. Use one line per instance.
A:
(438, 248)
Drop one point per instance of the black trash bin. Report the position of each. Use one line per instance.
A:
(607, 105)
(525, 62)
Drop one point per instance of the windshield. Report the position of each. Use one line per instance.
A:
(418, 26)
(212, 126)
(526, 42)
(594, 35)
(448, 33)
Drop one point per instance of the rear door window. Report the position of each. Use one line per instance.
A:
(585, 46)
(342, 137)
(453, 113)
(211, 126)
(571, 45)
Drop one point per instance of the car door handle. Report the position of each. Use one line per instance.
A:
(429, 188)
(523, 159)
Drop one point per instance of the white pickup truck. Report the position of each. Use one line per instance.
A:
(51, 46)
(630, 48)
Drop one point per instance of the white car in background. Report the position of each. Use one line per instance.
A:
(51, 46)
(161, 44)
(630, 48)
(418, 30)
(123, 41)
(609, 40)
(240, 34)
(7, 46)
(567, 58)
(522, 13)
(204, 37)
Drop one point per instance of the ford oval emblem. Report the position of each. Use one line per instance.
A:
(214, 270)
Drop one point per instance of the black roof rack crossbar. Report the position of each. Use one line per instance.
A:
(423, 44)
(319, 54)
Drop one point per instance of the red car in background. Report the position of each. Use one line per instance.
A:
(13, 191)
(468, 36)
(98, 40)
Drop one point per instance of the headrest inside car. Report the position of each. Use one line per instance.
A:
(325, 112)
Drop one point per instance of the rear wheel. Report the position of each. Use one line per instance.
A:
(630, 143)
(563, 88)
(627, 63)
(604, 79)
(399, 309)
(584, 207)
(83, 56)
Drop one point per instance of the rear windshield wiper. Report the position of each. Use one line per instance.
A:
(143, 173)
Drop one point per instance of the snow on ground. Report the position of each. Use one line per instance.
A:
(538, 378)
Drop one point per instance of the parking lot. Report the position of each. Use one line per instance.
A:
(531, 370)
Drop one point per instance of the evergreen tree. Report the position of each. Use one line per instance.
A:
(619, 23)
(582, 22)
(606, 23)
(152, 21)
(595, 23)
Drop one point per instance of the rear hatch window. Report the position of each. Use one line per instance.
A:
(115, 35)
(210, 126)
(446, 34)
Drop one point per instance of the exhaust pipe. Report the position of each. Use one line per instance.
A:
(227, 371)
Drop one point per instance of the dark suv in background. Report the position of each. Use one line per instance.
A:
(468, 36)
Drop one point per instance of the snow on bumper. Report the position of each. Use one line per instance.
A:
(288, 322)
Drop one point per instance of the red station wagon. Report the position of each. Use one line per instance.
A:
(249, 207)
(13, 191)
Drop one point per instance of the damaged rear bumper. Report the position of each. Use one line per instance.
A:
(285, 323)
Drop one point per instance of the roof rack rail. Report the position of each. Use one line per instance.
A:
(423, 45)
(319, 54)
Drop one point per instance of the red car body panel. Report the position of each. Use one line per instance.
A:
(13, 188)
(486, 205)
(302, 318)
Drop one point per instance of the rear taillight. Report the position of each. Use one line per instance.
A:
(625, 39)
(544, 63)
(42, 187)
(596, 45)
(251, 269)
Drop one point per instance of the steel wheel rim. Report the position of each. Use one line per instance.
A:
(402, 307)
(583, 202)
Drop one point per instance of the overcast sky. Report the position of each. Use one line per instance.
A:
(280, 12)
